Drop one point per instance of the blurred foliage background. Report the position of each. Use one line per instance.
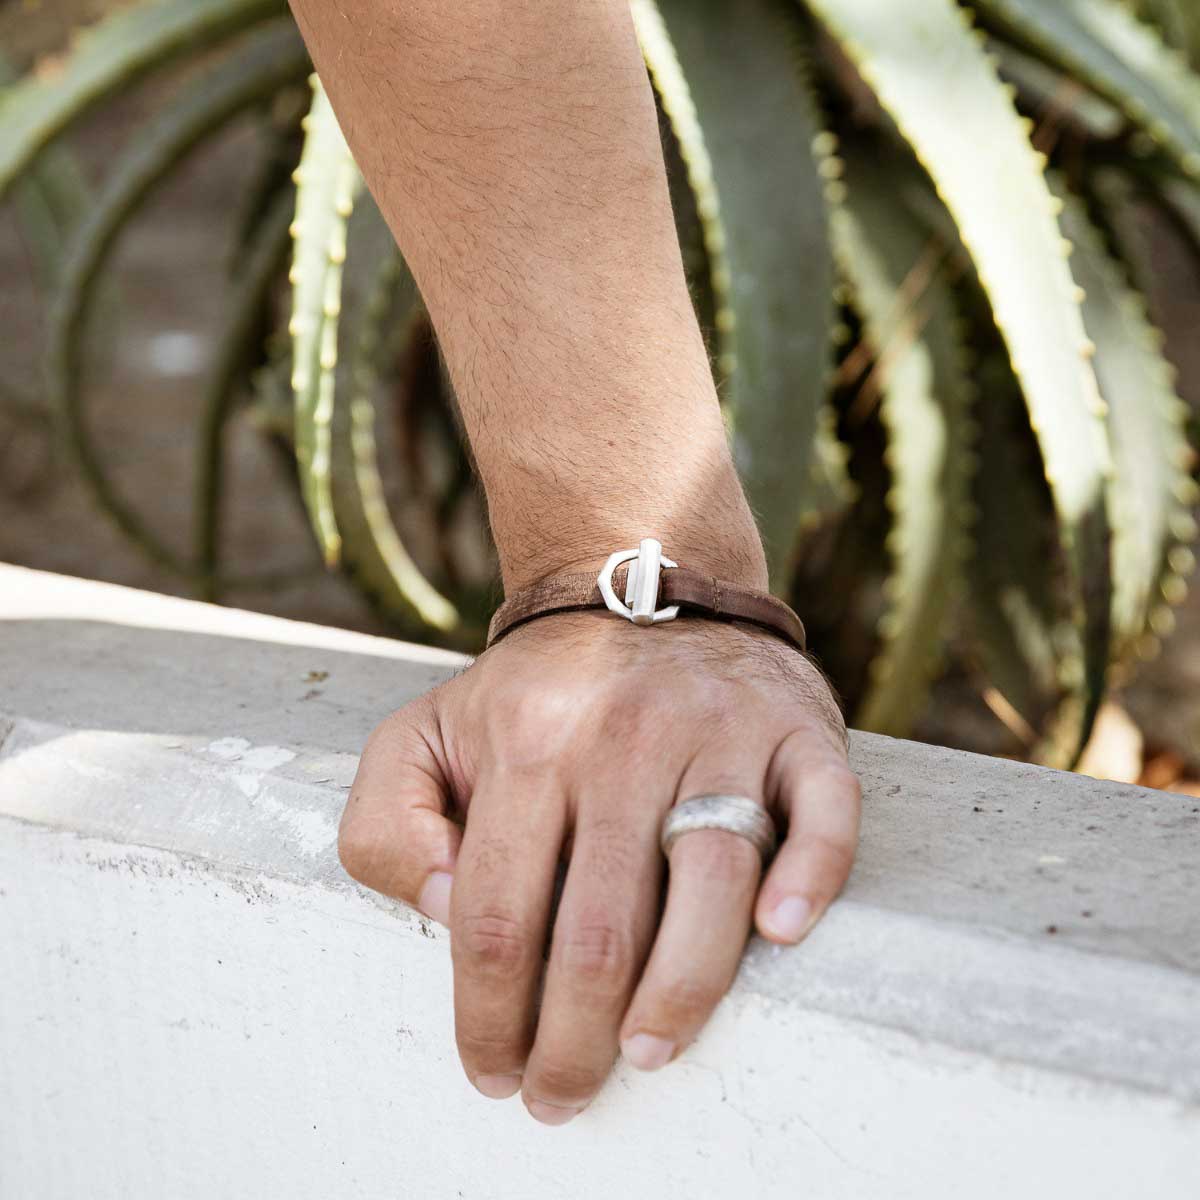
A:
(932, 246)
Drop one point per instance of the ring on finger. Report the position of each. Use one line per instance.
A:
(740, 815)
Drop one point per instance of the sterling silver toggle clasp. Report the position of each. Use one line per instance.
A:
(641, 585)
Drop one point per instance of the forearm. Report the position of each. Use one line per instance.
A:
(513, 149)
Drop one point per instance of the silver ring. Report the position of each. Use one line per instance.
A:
(734, 814)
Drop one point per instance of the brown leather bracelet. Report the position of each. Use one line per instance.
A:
(690, 592)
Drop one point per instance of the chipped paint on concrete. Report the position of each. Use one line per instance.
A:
(310, 832)
(251, 757)
(228, 749)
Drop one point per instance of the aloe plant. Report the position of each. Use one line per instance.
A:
(906, 230)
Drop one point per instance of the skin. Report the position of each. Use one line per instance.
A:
(512, 146)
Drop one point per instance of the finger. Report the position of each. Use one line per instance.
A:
(602, 934)
(812, 783)
(711, 887)
(503, 886)
(394, 835)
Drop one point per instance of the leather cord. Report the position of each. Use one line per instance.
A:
(695, 593)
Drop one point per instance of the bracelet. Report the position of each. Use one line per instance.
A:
(655, 589)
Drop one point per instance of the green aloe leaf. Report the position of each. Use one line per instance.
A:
(901, 288)
(830, 490)
(1015, 611)
(1150, 487)
(327, 184)
(1178, 20)
(733, 82)
(961, 123)
(272, 59)
(239, 338)
(1183, 200)
(372, 548)
(1051, 94)
(1103, 44)
(50, 201)
(108, 56)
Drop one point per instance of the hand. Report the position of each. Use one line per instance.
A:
(568, 742)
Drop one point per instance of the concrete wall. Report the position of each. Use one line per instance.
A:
(195, 1002)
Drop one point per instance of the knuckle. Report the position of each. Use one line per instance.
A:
(831, 782)
(535, 726)
(838, 855)
(635, 719)
(481, 1051)
(722, 713)
(537, 708)
(719, 857)
(358, 849)
(831, 768)
(400, 727)
(494, 944)
(556, 1080)
(854, 790)
(688, 1001)
(612, 850)
(600, 956)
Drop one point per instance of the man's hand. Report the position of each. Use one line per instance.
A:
(568, 742)
(514, 150)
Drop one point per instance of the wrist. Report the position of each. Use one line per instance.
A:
(713, 533)
(736, 560)
(655, 589)
(733, 562)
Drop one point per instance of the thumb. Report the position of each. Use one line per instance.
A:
(395, 836)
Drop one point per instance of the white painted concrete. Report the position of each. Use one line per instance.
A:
(195, 1002)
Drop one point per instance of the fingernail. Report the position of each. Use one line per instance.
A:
(790, 918)
(498, 1087)
(647, 1052)
(551, 1114)
(434, 900)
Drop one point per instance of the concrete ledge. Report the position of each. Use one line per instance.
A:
(195, 1002)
